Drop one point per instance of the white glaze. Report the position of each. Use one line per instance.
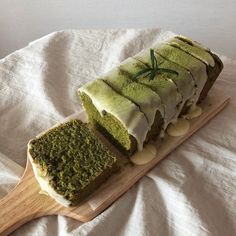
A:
(150, 108)
(46, 188)
(170, 101)
(146, 155)
(180, 128)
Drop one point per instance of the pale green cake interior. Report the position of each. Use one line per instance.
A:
(112, 127)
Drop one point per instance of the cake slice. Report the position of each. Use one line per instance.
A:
(70, 162)
(147, 100)
(194, 66)
(212, 61)
(118, 117)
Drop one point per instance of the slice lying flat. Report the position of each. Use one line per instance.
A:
(69, 162)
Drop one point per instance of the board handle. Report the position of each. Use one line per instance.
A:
(22, 204)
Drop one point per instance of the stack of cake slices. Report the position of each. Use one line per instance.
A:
(131, 104)
(137, 100)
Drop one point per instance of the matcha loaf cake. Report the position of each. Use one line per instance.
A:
(137, 100)
(69, 162)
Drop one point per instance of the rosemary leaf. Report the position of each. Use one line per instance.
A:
(152, 75)
(168, 71)
(155, 69)
(152, 58)
(142, 72)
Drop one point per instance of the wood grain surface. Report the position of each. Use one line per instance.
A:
(24, 202)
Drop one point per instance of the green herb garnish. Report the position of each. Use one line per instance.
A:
(152, 71)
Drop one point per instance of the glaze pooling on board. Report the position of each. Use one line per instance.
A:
(146, 155)
(194, 112)
(179, 128)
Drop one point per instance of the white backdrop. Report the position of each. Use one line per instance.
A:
(212, 22)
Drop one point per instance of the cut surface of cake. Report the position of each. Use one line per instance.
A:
(117, 116)
(162, 83)
(70, 162)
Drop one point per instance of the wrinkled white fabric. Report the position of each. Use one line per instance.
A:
(191, 192)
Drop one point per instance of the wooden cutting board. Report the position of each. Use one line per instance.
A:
(24, 202)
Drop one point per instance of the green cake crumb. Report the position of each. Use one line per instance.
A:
(74, 159)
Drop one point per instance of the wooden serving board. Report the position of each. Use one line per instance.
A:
(24, 202)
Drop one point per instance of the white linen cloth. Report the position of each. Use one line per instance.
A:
(192, 192)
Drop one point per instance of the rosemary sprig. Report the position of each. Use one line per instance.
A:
(152, 71)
